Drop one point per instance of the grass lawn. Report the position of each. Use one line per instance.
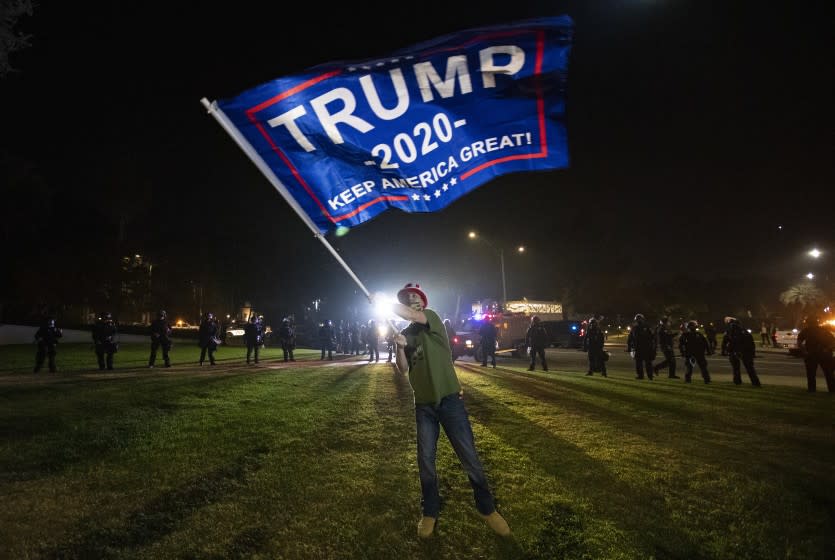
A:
(318, 462)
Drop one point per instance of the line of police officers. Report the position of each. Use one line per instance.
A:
(816, 343)
(106, 341)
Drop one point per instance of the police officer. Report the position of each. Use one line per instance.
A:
(372, 337)
(739, 345)
(253, 336)
(390, 333)
(160, 338)
(641, 344)
(710, 334)
(536, 338)
(46, 338)
(664, 339)
(207, 337)
(287, 337)
(104, 339)
(817, 344)
(693, 346)
(593, 344)
(488, 335)
(326, 339)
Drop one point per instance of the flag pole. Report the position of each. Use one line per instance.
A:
(253, 155)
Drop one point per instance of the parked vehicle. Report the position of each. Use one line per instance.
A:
(787, 338)
(565, 334)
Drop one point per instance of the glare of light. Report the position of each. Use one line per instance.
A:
(521, 249)
(814, 253)
(384, 305)
(382, 330)
(179, 322)
(472, 235)
(478, 316)
(342, 230)
(810, 276)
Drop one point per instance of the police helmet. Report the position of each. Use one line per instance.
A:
(592, 321)
(639, 318)
(162, 314)
(253, 319)
(106, 316)
(664, 320)
(50, 322)
(286, 320)
(692, 325)
(210, 315)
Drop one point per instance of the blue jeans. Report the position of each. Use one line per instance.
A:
(452, 415)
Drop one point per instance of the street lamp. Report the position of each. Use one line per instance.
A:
(520, 249)
(814, 253)
(810, 276)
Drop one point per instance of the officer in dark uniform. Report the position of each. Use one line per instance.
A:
(104, 339)
(390, 333)
(326, 339)
(287, 336)
(372, 337)
(488, 334)
(693, 346)
(46, 338)
(739, 345)
(593, 344)
(641, 342)
(355, 338)
(710, 334)
(536, 338)
(664, 339)
(207, 337)
(160, 338)
(253, 336)
(817, 345)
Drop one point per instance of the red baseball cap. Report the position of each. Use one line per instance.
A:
(414, 288)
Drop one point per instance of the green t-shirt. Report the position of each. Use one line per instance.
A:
(431, 372)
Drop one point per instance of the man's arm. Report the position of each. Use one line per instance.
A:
(409, 314)
(400, 359)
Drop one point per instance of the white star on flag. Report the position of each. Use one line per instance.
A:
(427, 197)
(445, 187)
(453, 181)
(437, 193)
(415, 196)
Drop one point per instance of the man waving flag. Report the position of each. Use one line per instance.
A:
(414, 130)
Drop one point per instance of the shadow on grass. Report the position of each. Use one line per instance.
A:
(161, 516)
(611, 496)
(677, 410)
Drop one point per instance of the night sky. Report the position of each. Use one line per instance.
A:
(700, 136)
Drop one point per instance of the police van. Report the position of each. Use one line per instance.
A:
(511, 320)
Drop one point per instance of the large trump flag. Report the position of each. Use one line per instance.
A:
(414, 130)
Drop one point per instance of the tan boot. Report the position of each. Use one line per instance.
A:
(426, 526)
(496, 522)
